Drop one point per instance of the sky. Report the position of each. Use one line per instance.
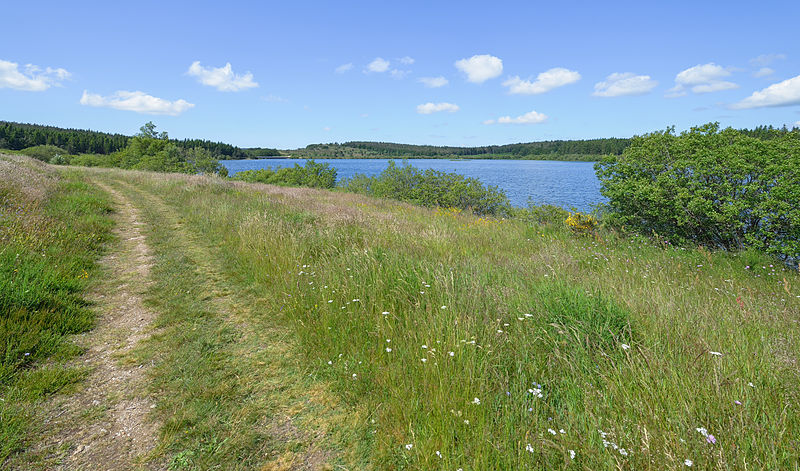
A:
(288, 74)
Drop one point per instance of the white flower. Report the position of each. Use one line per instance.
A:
(625, 346)
(561, 431)
(451, 353)
(552, 432)
(385, 313)
(444, 307)
(388, 340)
(424, 360)
(409, 446)
(529, 448)
(330, 362)
(424, 346)
(751, 385)
(476, 401)
(355, 376)
(356, 300)
(438, 453)
(466, 422)
(572, 454)
(388, 350)
(703, 431)
(715, 353)
(623, 452)
(688, 462)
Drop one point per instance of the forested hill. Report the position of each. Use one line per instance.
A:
(18, 136)
(589, 149)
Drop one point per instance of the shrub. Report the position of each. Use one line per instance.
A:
(431, 188)
(43, 153)
(313, 174)
(581, 223)
(706, 186)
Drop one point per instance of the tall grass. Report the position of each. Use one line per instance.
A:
(509, 344)
(52, 228)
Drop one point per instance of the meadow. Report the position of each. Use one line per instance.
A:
(304, 327)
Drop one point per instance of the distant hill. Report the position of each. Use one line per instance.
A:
(587, 149)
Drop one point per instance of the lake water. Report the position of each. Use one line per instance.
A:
(565, 184)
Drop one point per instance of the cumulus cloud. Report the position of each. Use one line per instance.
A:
(480, 68)
(399, 74)
(429, 108)
(624, 84)
(378, 65)
(343, 68)
(406, 60)
(433, 82)
(221, 78)
(763, 72)
(139, 102)
(531, 117)
(702, 78)
(766, 59)
(32, 78)
(545, 81)
(784, 93)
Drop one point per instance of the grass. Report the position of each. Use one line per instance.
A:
(483, 341)
(302, 327)
(52, 230)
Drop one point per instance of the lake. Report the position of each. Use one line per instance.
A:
(565, 184)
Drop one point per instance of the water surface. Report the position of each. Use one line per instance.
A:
(565, 184)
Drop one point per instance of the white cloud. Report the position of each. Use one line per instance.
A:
(343, 68)
(623, 84)
(221, 78)
(797, 124)
(545, 81)
(399, 74)
(480, 68)
(32, 79)
(531, 117)
(429, 108)
(784, 93)
(433, 82)
(766, 59)
(378, 65)
(275, 99)
(702, 78)
(139, 102)
(763, 72)
(406, 60)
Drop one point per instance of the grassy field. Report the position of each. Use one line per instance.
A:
(52, 229)
(313, 329)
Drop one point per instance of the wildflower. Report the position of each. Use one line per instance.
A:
(409, 446)
(466, 422)
(330, 362)
(355, 376)
(424, 360)
(476, 401)
(438, 453)
(552, 432)
(444, 307)
(561, 431)
(688, 462)
(356, 300)
(388, 340)
(388, 350)
(738, 403)
(424, 346)
(718, 354)
(623, 452)
(703, 431)
(451, 353)
(710, 439)
(625, 346)
(385, 313)
(529, 448)
(751, 385)
(571, 454)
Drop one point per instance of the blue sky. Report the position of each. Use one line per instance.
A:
(454, 73)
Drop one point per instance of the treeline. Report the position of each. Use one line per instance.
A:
(587, 149)
(18, 136)
(256, 152)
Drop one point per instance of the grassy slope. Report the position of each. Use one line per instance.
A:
(52, 229)
(495, 308)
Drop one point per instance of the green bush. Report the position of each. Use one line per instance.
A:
(431, 188)
(43, 153)
(313, 174)
(711, 187)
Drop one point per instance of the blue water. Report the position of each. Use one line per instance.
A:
(565, 184)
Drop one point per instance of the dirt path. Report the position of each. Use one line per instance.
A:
(106, 425)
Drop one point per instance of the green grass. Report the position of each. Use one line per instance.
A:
(615, 333)
(52, 230)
